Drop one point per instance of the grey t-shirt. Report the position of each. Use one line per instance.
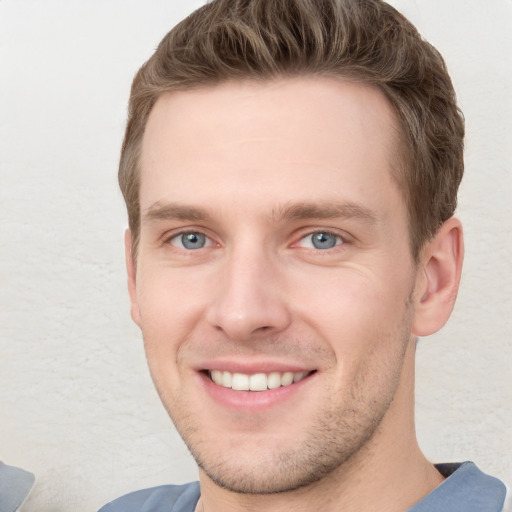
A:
(466, 489)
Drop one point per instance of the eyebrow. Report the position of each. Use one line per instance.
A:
(327, 210)
(292, 212)
(174, 211)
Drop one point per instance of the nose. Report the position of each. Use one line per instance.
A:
(250, 299)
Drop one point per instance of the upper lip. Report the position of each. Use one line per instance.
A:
(253, 367)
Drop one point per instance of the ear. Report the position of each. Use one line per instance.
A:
(131, 269)
(438, 278)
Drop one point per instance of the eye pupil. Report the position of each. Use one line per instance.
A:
(323, 240)
(193, 240)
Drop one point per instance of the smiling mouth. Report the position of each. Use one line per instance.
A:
(256, 381)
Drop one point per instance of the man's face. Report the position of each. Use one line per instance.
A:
(274, 255)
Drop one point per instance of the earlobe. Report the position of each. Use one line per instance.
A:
(438, 278)
(132, 281)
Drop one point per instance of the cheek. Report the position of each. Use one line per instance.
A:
(170, 307)
(355, 312)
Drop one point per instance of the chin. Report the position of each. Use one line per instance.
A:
(263, 479)
(253, 467)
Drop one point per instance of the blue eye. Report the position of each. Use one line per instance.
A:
(321, 240)
(191, 240)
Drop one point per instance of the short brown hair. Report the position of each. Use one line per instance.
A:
(363, 40)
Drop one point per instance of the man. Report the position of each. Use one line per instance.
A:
(290, 171)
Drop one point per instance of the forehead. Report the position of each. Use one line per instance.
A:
(285, 140)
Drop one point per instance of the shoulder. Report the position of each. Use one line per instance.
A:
(165, 498)
(465, 489)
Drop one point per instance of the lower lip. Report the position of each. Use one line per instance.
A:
(252, 400)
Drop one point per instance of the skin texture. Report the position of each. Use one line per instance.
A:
(257, 168)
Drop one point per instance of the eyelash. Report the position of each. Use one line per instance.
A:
(340, 240)
(169, 239)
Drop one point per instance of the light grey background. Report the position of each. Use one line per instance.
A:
(77, 405)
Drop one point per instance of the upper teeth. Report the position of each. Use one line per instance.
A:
(255, 382)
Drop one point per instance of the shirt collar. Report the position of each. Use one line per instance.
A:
(465, 489)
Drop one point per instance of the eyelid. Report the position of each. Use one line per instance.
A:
(339, 238)
(207, 240)
(304, 232)
(169, 236)
(300, 235)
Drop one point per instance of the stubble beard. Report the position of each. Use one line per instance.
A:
(324, 451)
(335, 439)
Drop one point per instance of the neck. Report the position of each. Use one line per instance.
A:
(390, 470)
